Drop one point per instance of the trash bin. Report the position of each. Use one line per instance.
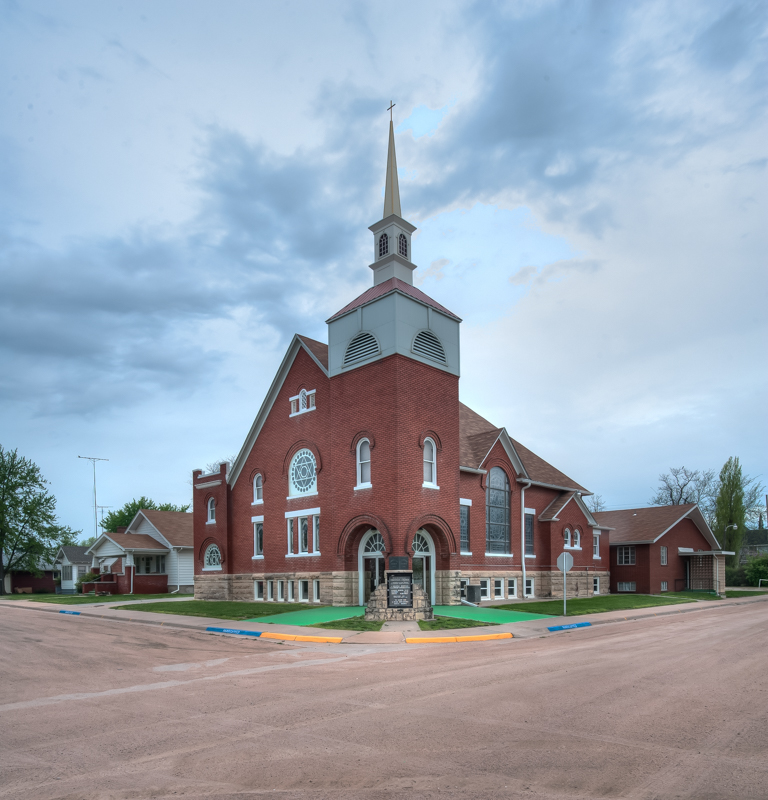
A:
(473, 593)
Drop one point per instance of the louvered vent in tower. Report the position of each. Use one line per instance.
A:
(362, 347)
(428, 345)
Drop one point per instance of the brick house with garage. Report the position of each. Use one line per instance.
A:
(362, 453)
(663, 549)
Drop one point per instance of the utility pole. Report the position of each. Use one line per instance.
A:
(93, 461)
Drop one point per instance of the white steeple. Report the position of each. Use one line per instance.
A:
(392, 234)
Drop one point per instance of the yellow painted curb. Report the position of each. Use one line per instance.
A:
(443, 639)
(290, 637)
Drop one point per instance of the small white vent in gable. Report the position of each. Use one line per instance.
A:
(428, 345)
(362, 347)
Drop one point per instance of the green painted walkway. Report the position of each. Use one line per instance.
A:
(312, 616)
(497, 615)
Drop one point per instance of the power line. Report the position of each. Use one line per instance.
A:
(93, 461)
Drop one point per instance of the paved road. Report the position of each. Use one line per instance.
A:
(671, 707)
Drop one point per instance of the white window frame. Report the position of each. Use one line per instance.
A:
(498, 588)
(304, 550)
(314, 539)
(211, 511)
(485, 588)
(256, 586)
(315, 533)
(308, 396)
(304, 591)
(258, 490)
(530, 587)
(299, 494)
(281, 591)
(291, 591)
(270, 591)
(664, 586)
(626, 586)
(571, 537)
(361, 484)
(595, 584)
(316, 591)
(463, 501)
(664, 556)
(596, 546)
(433, 483)
(289, 533)
(205, 558)
(511, 588)
(256, 554)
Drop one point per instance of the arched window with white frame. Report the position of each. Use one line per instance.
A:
(258, 489)
(567, 537)
(430, 463)
(576, 538)
(212, 558)
(211, 511)
(363, 463)
(383, 245)
(402, 245)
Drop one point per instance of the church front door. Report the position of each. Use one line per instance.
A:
(374, 575)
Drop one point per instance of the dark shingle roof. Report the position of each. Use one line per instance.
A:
(136, 541)
(76, 554)
(556, 506)
(641, 524)
(318, 349)
(176, 526)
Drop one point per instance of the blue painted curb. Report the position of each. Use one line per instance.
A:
(568, 627)
(235, 630)
(75, 613)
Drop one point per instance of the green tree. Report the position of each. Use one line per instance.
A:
(122, 517)
(29, 530)
(755, 569)
(730, 511)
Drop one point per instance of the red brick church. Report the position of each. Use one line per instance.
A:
(362, 453)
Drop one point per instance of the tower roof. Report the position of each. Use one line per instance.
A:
(392, 189)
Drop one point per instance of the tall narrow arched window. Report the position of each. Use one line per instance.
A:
(211, 510)
(430, 463)
(567, 537)
(364, 463)
(402, 245)
(303, 400)
(383, 245)
(497, 512)
(258, 489)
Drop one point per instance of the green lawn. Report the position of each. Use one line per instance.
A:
(218, 609)
(686, 595)
(736, 594)
(79, 599)
(597, 605)
(353, 624)
(449, 623)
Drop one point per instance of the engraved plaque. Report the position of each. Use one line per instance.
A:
(398, 562)
(399, 590)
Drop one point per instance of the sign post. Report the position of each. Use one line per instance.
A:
(564, 564)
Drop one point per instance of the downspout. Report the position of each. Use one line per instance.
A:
(133, 570)
(178, 585)
(522, 530)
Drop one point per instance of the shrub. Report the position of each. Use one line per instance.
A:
(756, 568)
(735, 576)
(87, 578)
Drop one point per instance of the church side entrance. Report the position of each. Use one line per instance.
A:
(424, 563)
(371, 564)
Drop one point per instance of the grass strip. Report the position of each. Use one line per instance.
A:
(450, 623)
(85, 599)
(353, 624)
(596, 605)
(736, 594)
(217, 609)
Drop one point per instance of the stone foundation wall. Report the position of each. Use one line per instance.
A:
(546, 584)
(219, 586)
(345, 588)
(213, 586)
(377, 606)
(447, 587)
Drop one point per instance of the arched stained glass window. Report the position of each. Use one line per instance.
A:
(383, 245)
(375, 544)
(497, 512)
(402, 245)
(303, 473)
(212, 558)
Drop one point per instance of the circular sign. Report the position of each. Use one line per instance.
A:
(565, 562)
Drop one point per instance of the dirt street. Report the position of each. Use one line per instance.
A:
(672, 707)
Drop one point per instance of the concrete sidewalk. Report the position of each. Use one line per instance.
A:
(519, 630)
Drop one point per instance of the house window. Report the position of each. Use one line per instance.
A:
(498, 588)
(363, 463)
(161, 564)
(663, 556)
(303, 474)
(291, 595)
(258, 489)
(290, 535)
(430, 467)
(383, 245)
(511, 588)
(270, 590)
(625, 557)
(316, 591)
(595, 585)
(497, 512)
(402, 245)
(484, 594)
(211, 510)
(258, 590)
(66, 572)
(303, 534)
(626, 586)
(529, 534)
(304, 591)
(529, 587)
(281, 591)
(258, 538)
(212, 558)
(572, 538)
(595, 545)
(664, 585)
(316, 533)
(464, 518)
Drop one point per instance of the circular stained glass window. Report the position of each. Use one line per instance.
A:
(303, 472)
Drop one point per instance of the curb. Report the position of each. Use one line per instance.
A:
(444, 639)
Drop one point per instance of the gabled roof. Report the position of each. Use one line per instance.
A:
(175, 526)
(318, 352)
(131, 541)
(647, 525)
(387, 287)
(549, 514)
(476, 438)
(75, 553)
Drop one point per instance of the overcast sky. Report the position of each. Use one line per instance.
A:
(184, 185)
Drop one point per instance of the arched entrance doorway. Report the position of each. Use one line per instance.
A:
(423, 562)
(370, 564)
